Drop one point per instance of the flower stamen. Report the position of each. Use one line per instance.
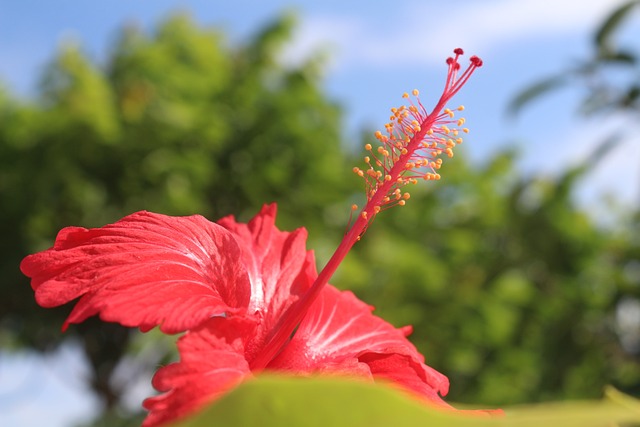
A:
(409, 150)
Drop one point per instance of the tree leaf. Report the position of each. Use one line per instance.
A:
(604, 34)
(535, 91)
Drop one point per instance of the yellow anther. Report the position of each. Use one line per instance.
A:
(445, 129)
(415, 92)
(460, 108)
(413, 109)
(376, 209)
(387, 178)
(449, 152)
(401, 202)
(430, 132)
(367, 159)
(364, 215)
(406, 196)
(405, 95)
(465, 130)
(404, 151)
(354, 207)
(459, 140)
(448, 112)
(356, 170)
(461, 121)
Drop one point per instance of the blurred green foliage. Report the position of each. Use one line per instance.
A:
(514, 292)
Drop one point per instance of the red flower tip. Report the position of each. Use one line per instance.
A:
(453, 63)
(458, 51)
(476, 61)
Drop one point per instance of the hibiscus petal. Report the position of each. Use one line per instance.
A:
(212, 361)
(340, 329)
(278, 264)
(144, 270)
(407, 371)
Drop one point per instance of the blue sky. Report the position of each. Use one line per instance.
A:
(377, 51)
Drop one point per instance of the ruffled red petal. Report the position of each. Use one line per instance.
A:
(279, 266)
(212, 361)
(341, 333)
(144, 270)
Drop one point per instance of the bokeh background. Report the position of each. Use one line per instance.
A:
(520, 269)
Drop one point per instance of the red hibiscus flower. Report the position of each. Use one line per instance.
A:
(239, 291)
(226, 285)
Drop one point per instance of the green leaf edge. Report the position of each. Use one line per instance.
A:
(322, 401)
(604, 33)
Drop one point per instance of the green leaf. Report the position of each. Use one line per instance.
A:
(293, 401)
(604, 34)
(535, 91)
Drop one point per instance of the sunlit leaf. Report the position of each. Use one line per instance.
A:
(288, 401)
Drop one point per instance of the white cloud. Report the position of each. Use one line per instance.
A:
(481, 25)
(323, 33)
(417, 31)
